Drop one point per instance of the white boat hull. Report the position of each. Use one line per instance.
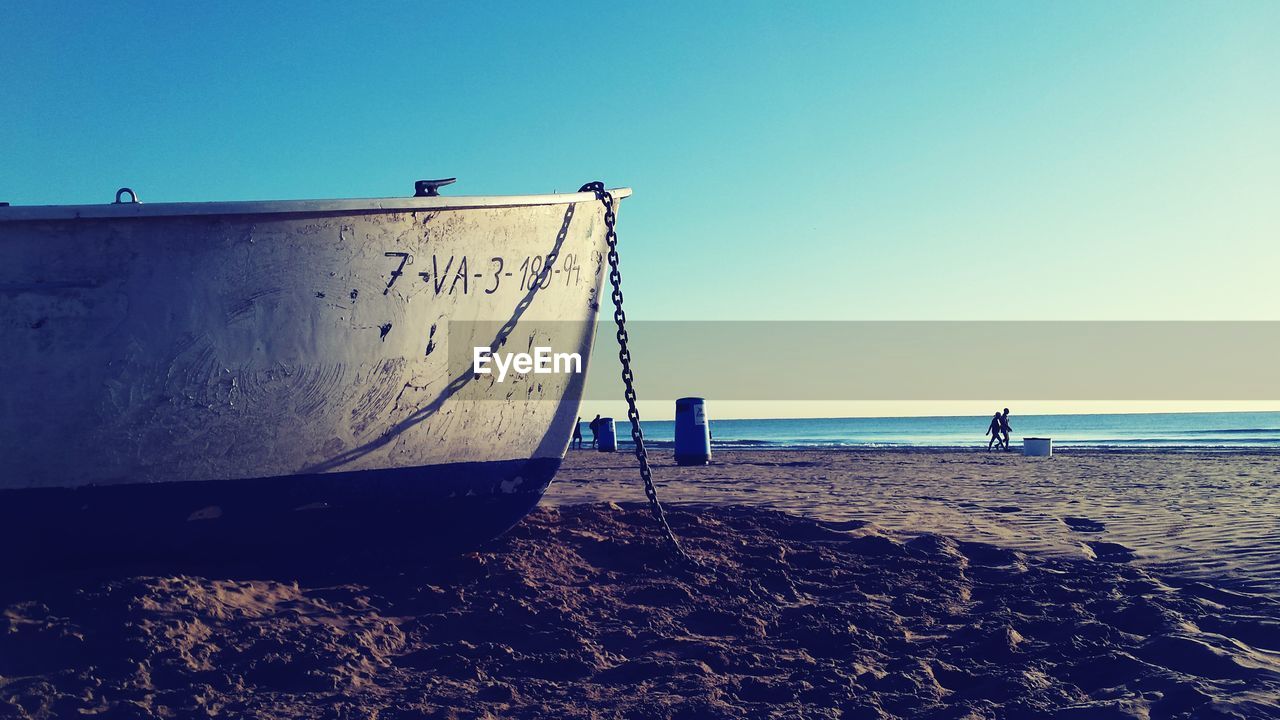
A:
(286, 348)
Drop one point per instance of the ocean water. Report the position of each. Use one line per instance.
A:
(1153, 430)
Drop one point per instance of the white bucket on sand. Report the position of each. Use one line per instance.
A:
(1037, 447)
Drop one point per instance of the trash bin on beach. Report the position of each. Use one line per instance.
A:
(693, 433)
(606, 436)
(1037, 447)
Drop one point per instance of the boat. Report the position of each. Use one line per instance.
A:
(252, 373)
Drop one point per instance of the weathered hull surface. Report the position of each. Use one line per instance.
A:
(272, 364)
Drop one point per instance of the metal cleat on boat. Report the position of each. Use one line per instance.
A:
(431, 188)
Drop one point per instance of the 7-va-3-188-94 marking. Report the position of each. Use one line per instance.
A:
(454, 273)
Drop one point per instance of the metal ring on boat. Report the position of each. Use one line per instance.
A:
(133, 196)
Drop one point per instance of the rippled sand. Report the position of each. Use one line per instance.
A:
(578, 613)
(1209, 515)
(1118, 586)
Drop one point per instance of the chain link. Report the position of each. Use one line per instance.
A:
(628, 377)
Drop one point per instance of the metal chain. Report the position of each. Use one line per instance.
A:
(628, 377)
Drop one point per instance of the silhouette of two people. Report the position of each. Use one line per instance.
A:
(998, 429)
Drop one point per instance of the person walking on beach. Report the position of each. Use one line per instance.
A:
(577, 435)
(595, 427)
(1004, 428)
(994, 431)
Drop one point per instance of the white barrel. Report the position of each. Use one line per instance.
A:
(606, 436)
(693, 432)
(1037, 447)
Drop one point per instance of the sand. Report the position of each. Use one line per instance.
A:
(1214, 515)
(580, 613)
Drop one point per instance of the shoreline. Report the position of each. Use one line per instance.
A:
(626, 446)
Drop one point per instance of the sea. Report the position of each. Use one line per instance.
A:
(1173, 431)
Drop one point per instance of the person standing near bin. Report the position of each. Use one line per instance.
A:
(595, 430)
(1004, 427)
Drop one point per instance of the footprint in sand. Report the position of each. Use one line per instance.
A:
(1084, 525)
(1109, 552)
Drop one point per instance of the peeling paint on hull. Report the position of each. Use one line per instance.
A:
(183, 350)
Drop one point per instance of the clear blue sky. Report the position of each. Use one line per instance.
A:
(833, 160)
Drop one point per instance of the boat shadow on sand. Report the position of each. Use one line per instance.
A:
(577, 613)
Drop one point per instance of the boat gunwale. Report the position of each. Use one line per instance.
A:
(26, 213)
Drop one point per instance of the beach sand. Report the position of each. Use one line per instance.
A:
(852, 612)
(1205, 514)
